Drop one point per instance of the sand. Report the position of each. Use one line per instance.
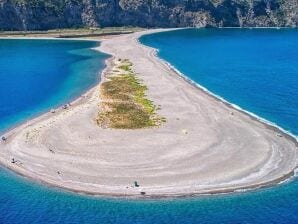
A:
(205, 147)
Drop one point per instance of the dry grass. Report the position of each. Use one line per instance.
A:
(125, 105)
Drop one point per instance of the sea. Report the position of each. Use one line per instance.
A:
(254, 69)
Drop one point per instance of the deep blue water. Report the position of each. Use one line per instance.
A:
(22, 201)
(256, 69)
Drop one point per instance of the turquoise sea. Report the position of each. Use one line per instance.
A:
(37, 75)
(255, 69)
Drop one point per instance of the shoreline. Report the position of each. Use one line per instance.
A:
(91, 93)
(266, 122)
(70, 101)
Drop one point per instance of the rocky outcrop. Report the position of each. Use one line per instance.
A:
(50, 14)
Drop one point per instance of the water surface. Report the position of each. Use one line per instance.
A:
(36, 75)
(22, 201)
(256, 69)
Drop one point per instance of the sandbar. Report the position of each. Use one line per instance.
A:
(205, 146)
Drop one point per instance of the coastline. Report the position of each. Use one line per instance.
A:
(93, 95)
(58, 106)
(266, 122)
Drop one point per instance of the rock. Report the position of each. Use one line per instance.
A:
(53, 14)
(184, 131)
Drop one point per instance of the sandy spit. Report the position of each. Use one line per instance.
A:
(205, 147)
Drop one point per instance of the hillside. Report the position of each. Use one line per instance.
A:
(52, 14)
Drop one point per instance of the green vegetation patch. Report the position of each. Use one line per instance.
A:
(125, 105)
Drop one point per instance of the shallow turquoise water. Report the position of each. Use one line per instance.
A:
(37, 75)
(22, 201)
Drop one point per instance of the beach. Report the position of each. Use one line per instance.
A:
(205, 147)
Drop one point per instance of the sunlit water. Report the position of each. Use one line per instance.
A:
(36, 75)
(22, 201)
(256, 69)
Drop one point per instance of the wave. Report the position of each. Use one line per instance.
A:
(220, 98)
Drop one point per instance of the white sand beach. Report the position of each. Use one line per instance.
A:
(206, 146)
